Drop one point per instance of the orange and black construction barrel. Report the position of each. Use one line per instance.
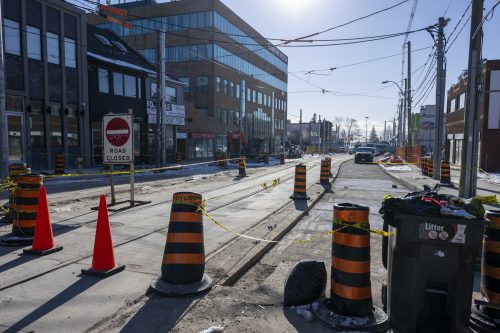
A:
(223, 160)
(329, 160)
(350, 285)
(242, 167)
(423, 165)
(25, 210)
(299, 190)
(178, 157)
(485, 316)
(350, 306)
(15, 170)
(59, 164)
(183, 265)
(430, 167)
(445, 173)
(282, 158)
(324, 175)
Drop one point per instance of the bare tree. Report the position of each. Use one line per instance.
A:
(338, 123)
(350, 124)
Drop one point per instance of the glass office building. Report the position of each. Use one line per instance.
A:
(236, 80)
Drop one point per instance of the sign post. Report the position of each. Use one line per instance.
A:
(118, 146)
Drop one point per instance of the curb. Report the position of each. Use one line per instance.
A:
(258, 252)
(412, 187)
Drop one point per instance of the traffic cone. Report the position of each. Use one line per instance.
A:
(43, 241)
(103, 260)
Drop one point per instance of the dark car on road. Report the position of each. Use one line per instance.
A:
(363, 154)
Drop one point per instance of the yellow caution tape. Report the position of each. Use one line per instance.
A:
(274, 183)
(360, 226)
(315, 238)
(126, 172)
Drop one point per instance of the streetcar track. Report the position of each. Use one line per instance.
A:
(155, 230)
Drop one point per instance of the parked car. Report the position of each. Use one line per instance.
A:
(363, 154)
(342, 150)
(351, 151)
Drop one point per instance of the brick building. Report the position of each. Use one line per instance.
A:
(489, 103)
(236, 81)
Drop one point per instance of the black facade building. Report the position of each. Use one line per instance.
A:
(117, 76)
(45, 80)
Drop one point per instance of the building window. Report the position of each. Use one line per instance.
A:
(217, 84)
(171, 94)
(34, 43)
(238, 91)
(185, 80)
(130, 84)
(231, 89)
(461, 101)
(254, 96)
(269, 100)
(72, 122)
(37, 137)
(236, 117)
(139, 87)
(265, 100)
(52, 48)
(225, 87)
(249, 95)
(69, 52)
(201, 83)
(224, 116)
(453, 106)
(103, 80)
(55, 125)
(218, 116)
(259, 98)
(12, 37)
(118, 84)
(231, 117)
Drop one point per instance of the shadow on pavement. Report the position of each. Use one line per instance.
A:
(20, 260)
(64, 296)
(301, 325)
(158, 314)
(301, 205)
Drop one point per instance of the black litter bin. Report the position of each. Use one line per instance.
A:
(430, 272)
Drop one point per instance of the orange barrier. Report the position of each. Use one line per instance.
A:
(324, 175)
(59, 170)
(178, 157)
(43, 241)
(242, 167)
(299, 190)
(183, 265)
(103, 259)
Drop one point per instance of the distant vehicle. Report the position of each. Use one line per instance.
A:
(351, 151)
(294, 152)
(342, 150)
(364, 154)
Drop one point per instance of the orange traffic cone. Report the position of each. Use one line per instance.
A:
(43, 241)
(103, 260)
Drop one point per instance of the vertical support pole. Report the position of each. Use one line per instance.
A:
(470, 143)
(440, 77)
(4, 137)
(112, 183)
(132, 183)
(405, 106)
(300, 130)
(408, 102)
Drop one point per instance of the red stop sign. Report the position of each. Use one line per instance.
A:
(117, 132)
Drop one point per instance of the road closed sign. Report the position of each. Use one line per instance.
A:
(118, 139)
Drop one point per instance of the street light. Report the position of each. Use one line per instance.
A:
(409, 115)
(366, 129)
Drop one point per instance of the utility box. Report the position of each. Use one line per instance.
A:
(430, 272)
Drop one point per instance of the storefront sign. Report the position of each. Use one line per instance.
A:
(181, 135)
(118, 139)
(173, 115)
(202, 136)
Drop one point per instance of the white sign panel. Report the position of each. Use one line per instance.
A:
(173, 115)
(118, 139)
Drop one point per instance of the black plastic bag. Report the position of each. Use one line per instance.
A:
(305, 283)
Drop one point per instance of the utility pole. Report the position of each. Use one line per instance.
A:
(405, 106)
(319, 133)
(440, 77)
(408, 102)
(160, 98)
(385, 130)
(300, 130)
(400, 123)
(470, 143)
(324, 135)
(4, 136)
(393, 128)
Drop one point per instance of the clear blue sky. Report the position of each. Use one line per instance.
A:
(296, 18)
